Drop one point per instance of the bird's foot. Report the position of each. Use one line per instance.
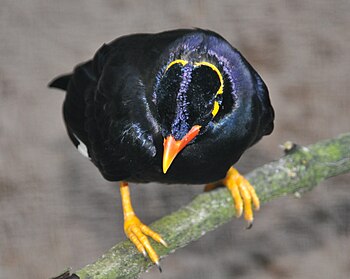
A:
(137, 232)
(242, 192)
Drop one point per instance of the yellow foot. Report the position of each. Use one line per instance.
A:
(242, 193)
(136, 231)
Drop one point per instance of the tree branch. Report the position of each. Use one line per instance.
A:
(300, 170)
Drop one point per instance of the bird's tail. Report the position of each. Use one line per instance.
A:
(61, 82)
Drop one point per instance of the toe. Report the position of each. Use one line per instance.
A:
(146, 230)
(253, 195)
(238, 202)
(247, 202)
(146, 244)
(137, 243)
(243, 194)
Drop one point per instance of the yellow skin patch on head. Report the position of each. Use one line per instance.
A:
(177, 61)
(214, 68)
(215, 109)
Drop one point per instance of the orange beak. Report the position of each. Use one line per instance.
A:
(172, 147)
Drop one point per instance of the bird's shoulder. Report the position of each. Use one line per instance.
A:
(119, 120)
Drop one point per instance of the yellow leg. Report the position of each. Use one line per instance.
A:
(136, 231)
(212, 186)
(242, 193)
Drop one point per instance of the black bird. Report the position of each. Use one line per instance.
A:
(147, 99)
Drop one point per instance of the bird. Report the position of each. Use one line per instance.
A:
(180, 106)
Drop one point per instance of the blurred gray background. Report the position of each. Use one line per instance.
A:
(57, 211)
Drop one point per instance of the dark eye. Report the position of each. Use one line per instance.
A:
(201, 93)
(226, 100)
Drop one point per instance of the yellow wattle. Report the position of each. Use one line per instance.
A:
(177, 61)
(215, 109)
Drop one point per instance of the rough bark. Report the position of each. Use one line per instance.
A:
(301, 169)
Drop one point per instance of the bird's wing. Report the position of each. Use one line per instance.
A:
(61, 82)
(268, 114)
(82, 83)
(121, 128)
(80, 86)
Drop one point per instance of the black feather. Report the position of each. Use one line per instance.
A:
(61, 82)
(122, 103)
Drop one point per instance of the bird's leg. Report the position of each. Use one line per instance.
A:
(242, 193)
(136, 231)
(212, 186)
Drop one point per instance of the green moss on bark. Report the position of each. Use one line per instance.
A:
(299, 171)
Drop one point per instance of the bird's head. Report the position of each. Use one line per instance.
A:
(192, 92)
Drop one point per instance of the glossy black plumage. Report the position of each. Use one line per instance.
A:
(114, 106)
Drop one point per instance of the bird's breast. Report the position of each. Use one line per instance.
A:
(196, 164)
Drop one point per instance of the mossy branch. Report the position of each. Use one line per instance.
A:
(300, 170)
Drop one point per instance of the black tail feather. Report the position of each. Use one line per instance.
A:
(61, 82)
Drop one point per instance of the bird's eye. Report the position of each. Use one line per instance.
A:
(207, 85)
(220, 90)
(204, 91)
(216, 70)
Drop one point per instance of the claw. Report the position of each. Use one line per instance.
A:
(249, 225)
(136, 231)
(144, 253)
(161, 241)
(159, 267)
(243, 194)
